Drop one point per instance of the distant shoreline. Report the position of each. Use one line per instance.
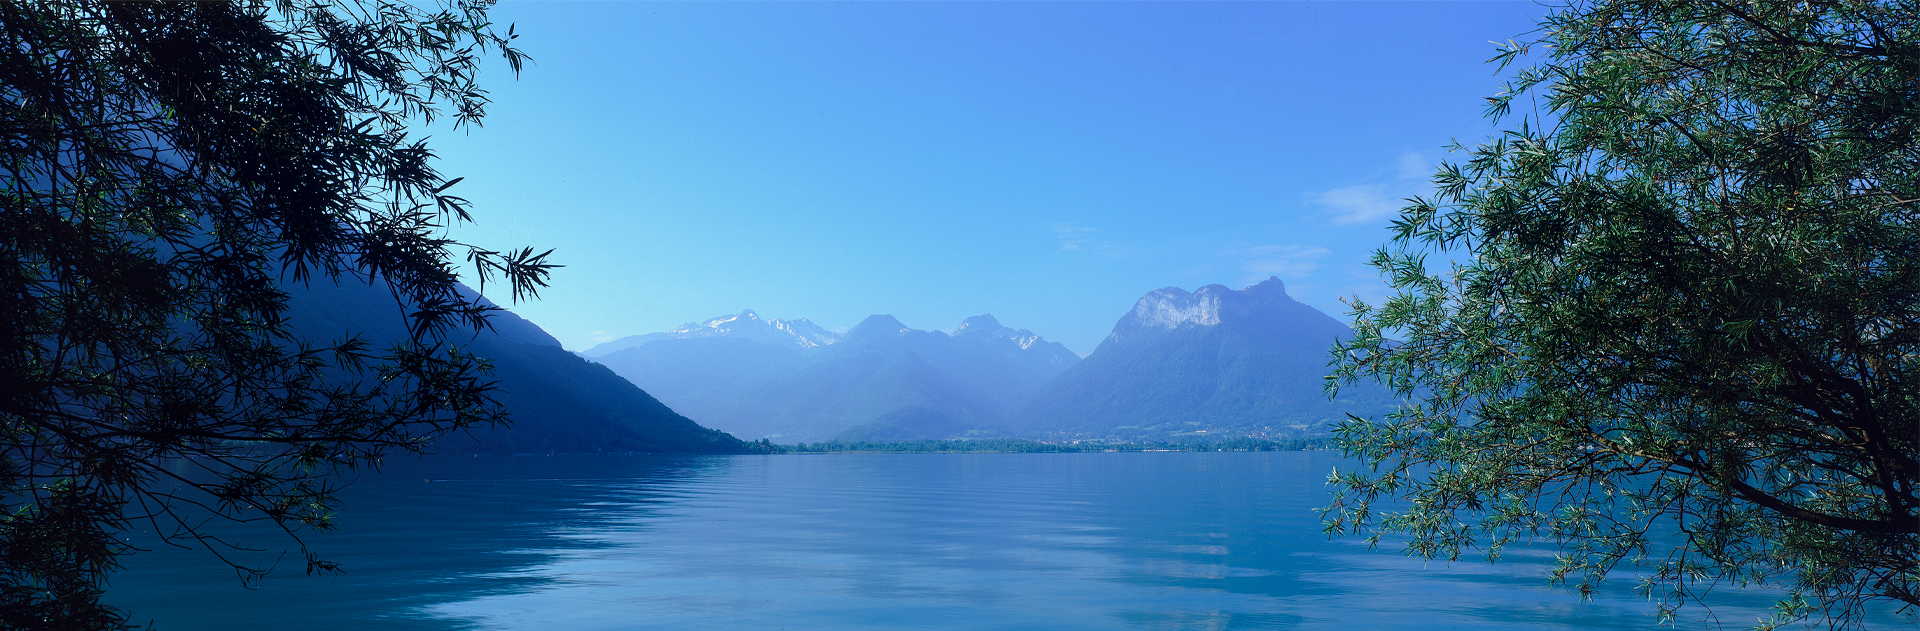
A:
(976, 446)
(1002, 445)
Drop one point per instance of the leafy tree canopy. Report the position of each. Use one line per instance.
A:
(1680, 331)
(168, 167)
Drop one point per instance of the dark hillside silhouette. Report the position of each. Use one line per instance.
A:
(558, 402)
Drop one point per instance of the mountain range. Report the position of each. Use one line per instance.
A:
(796, 334)
(1214, 361)
(1180, 364)
(759, 378)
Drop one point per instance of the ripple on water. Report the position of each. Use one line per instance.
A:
(957, 541)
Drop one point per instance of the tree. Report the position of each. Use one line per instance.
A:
(1680, 329)
(169, 169)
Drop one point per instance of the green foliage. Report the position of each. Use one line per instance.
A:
(1686, 304)
(167, 167)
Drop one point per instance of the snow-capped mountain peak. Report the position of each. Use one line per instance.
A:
(808, 332)
(984, 324)
(987, 326)
(800, 333)
(720, 325)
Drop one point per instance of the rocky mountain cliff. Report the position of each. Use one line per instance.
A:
(1214, 360)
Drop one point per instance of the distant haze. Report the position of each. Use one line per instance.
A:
(1180, 365)
(772, 379)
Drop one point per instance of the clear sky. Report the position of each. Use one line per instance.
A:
(1046, 162)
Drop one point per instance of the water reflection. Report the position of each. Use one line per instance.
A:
(970, 541)
(420, 533)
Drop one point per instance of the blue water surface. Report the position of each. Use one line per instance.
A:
(851, 541)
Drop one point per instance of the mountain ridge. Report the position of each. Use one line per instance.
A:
(1208, 362)
(969, 379)
(800, 333)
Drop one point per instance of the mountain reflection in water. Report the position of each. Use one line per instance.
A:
(960, 541)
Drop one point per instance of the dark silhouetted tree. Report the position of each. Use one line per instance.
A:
(169, 168)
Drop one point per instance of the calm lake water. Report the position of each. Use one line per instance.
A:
(962, 541)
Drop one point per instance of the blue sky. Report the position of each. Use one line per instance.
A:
(1046, 162)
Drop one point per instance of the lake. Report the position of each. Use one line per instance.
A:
(864, 541)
